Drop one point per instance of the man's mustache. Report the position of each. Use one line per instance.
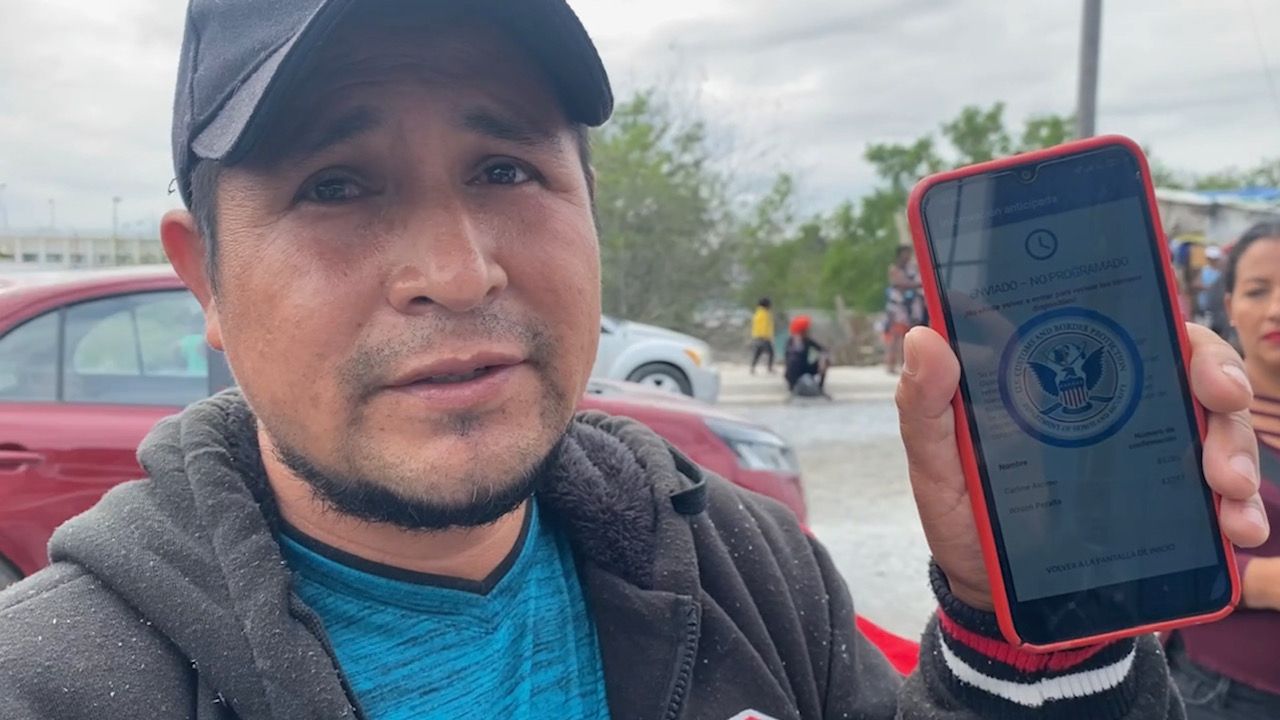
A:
(375, 362)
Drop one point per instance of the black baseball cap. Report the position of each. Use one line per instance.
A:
(240, 56)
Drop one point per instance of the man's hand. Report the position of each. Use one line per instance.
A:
(931, 377)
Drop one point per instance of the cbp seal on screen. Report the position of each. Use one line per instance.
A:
(1071, 377)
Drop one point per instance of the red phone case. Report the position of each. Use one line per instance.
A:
(969, 459)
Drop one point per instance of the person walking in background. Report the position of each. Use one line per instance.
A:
(1206, 279)
(1228, 670)
(762, 334)
(904, 308)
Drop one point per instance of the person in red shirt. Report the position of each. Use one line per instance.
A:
(1229, 669)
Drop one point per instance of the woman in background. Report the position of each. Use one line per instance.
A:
(903, 307)
(1231, 669)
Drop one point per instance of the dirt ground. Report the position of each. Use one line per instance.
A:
(855, 477)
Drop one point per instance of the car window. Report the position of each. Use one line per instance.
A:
(140, 349)
(29, 361)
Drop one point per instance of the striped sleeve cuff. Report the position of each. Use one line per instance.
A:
(979, 668)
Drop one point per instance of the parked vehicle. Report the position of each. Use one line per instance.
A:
(745, 453)
(663, 359)
(90, 360)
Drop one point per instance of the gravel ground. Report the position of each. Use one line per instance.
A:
(855, 476)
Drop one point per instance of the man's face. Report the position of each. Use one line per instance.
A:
(408, 270)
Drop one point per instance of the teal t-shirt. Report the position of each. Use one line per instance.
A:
(520, 645)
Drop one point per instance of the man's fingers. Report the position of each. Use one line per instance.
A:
(1244, 521)
(1231, 469)
(1217, 372)
(1230, 448)
(1231, 455)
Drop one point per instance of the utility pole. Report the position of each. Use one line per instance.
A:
(1087, 92)
(115, 230)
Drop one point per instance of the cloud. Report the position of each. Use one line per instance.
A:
(86, 88)
(86, 97)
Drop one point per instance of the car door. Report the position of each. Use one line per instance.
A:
(79, 388)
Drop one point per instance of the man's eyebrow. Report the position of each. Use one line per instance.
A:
(509, 129)
(347, 126)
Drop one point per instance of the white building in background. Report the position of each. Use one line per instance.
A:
(78, 252)
(1219, 216)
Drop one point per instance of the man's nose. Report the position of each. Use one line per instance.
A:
(446, 259)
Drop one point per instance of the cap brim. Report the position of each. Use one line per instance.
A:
(547, 29)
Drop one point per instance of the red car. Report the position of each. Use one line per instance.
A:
(90, 360)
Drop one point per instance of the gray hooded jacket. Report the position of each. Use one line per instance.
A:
(170, 599)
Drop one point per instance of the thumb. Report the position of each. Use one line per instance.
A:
(930, 378)
(929, 383)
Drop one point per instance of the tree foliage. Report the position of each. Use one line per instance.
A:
(1265, 174)
(661, 213)
(866, 236)
(676, 236)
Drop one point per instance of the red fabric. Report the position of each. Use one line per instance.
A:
(1023, 660)
(901, 652)
(800, 324)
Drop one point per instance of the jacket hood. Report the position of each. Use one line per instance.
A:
(193, 548)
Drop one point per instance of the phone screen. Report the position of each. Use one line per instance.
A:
(1056, 305)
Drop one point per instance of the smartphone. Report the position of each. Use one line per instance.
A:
(1049, 275)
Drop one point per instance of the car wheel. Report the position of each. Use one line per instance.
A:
(8, 574)
(663, 377)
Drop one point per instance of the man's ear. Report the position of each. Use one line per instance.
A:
(186, 251)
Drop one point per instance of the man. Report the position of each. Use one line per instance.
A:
(762, 334)
(390, 231)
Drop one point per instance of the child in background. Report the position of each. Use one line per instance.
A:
(762, 334)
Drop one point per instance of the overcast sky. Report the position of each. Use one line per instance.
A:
(800, 85)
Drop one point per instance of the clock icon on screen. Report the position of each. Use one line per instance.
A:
(1042, 244)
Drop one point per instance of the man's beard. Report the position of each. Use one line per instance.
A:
(368, 500)
(363, 496)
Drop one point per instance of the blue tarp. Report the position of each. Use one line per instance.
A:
(1248, 195)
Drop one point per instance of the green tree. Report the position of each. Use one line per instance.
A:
(978, 135)
(902, 165)
(764, 245)
(863, 241)
(661, 209)
(1265, 174)
(856, 265)
(1042, 131)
